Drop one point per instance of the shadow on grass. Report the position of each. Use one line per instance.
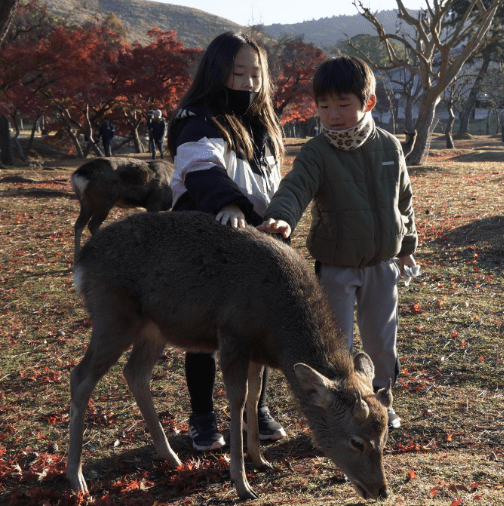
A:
(39, 193)
(418, 170)
(489, 155)
(136, 476)
(486, 234)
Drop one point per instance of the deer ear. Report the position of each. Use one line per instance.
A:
(361, 409)
(315, 385)
(364, 365)
(385, 395)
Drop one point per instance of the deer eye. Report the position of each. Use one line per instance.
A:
(358, 445)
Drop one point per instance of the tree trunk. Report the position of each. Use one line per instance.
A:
(423, 126)
(473, 95)
(7, 10)
(32, 136)
(502, 124)
(75, 140)
(449, 126)
(88, 135)
(18, 145)
(139, 147)
(408, 114)
(5, 142)
(393, 119)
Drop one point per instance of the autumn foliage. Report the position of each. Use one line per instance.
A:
(293, 63)
(73, 76)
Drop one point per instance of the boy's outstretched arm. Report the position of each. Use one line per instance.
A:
(275, 227)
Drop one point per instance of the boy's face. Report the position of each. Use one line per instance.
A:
(339, 112)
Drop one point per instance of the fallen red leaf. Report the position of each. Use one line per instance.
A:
(411, 475)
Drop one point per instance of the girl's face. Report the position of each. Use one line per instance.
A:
(339, 112)
(246, 71)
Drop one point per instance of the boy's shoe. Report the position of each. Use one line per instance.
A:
(394, 422)
(269, 428)
(204, 432)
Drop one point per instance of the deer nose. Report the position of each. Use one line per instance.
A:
(383, 494)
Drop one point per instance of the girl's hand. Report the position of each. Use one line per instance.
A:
(233, 215)
(407, 260)
(275, 227)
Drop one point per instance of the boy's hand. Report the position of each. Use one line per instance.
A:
(233, 215)
(407, 260)
(275, 227)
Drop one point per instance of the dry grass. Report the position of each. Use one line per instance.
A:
(448, 451)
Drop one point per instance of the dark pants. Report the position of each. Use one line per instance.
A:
(106, 146)
(200, 374)
(159, 144)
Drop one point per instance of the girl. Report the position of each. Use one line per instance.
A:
(226, 145)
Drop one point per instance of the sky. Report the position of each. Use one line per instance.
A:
(268, 12)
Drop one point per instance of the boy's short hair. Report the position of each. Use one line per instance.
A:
(344, 74)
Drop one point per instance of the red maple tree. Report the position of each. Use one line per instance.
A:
(293, 64)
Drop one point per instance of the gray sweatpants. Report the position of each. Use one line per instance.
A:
(375, 291)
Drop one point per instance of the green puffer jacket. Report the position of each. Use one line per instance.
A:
(362, 212)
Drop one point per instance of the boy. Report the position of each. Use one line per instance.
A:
(362, 214)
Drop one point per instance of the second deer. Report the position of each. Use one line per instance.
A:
(103, 183)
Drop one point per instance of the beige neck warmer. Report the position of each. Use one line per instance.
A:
(350, 138)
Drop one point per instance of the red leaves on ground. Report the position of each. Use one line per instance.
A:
(456, 489)
(140, 483)
(190, 475)
(416, 309)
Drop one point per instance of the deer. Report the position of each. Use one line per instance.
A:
(409, 143)
(185, 280)
(103, 183)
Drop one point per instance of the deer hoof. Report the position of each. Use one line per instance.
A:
(248, 495)
(78, 483)
(266, 466)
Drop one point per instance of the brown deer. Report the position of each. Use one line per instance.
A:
(409, 143)
(103, 183)
(184, 279)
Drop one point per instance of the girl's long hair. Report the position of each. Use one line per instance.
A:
(207, 93)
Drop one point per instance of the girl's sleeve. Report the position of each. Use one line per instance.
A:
(297, 189)
(200, 169)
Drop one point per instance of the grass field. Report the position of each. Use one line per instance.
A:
(449, 450)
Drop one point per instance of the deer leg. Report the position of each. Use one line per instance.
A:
(82, 220)
(99, 358)
(233, 361)
(255, 373)
(138, 373)
(154, 202)
(97, 219)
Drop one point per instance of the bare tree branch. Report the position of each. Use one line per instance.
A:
(439, 53)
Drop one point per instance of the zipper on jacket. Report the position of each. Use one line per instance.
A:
(374, 204)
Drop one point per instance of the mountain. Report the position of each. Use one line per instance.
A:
(327, 32)
(194, 27)
(198, 28)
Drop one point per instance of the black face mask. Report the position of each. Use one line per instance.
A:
(239, 101)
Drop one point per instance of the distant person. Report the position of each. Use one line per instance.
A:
(106, 133)
(157, 130)
(226, 143)
(362, 213)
